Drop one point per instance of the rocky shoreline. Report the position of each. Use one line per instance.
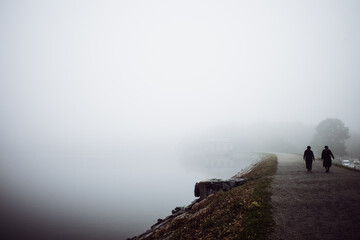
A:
(203, 190)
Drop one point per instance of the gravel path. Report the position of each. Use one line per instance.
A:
(315, 205)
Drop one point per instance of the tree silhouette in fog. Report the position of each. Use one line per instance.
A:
(331, 132)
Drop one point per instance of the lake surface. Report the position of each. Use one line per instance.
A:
(101, 196)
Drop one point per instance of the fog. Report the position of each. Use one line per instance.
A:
(101, 100)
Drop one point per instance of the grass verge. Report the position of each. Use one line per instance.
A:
(243, 212)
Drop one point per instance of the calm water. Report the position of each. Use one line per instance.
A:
(94, 199)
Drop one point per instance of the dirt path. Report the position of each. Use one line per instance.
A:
(315, 205)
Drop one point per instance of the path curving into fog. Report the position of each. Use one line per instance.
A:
(314, 205)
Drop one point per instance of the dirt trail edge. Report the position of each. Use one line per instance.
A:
(315, 205)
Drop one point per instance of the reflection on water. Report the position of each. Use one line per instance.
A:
(104, 198)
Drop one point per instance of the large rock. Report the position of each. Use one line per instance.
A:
(207, 187)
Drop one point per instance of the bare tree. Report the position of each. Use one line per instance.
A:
(333, 133)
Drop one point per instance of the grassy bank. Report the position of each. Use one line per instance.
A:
(241, 213)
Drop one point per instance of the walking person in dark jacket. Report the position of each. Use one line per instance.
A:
(309, 158)
(326, 155)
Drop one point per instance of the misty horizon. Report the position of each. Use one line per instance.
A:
(97, 95)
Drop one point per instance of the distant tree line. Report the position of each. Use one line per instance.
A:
(288, 137)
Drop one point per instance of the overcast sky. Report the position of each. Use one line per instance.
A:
(87, 87)
(96, 69)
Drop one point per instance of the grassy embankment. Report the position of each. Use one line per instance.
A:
(242, 213)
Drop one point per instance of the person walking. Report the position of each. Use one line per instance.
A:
(309, 158)
(326, 155)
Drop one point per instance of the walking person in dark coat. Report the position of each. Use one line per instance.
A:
(309, 158)
(326, 155)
